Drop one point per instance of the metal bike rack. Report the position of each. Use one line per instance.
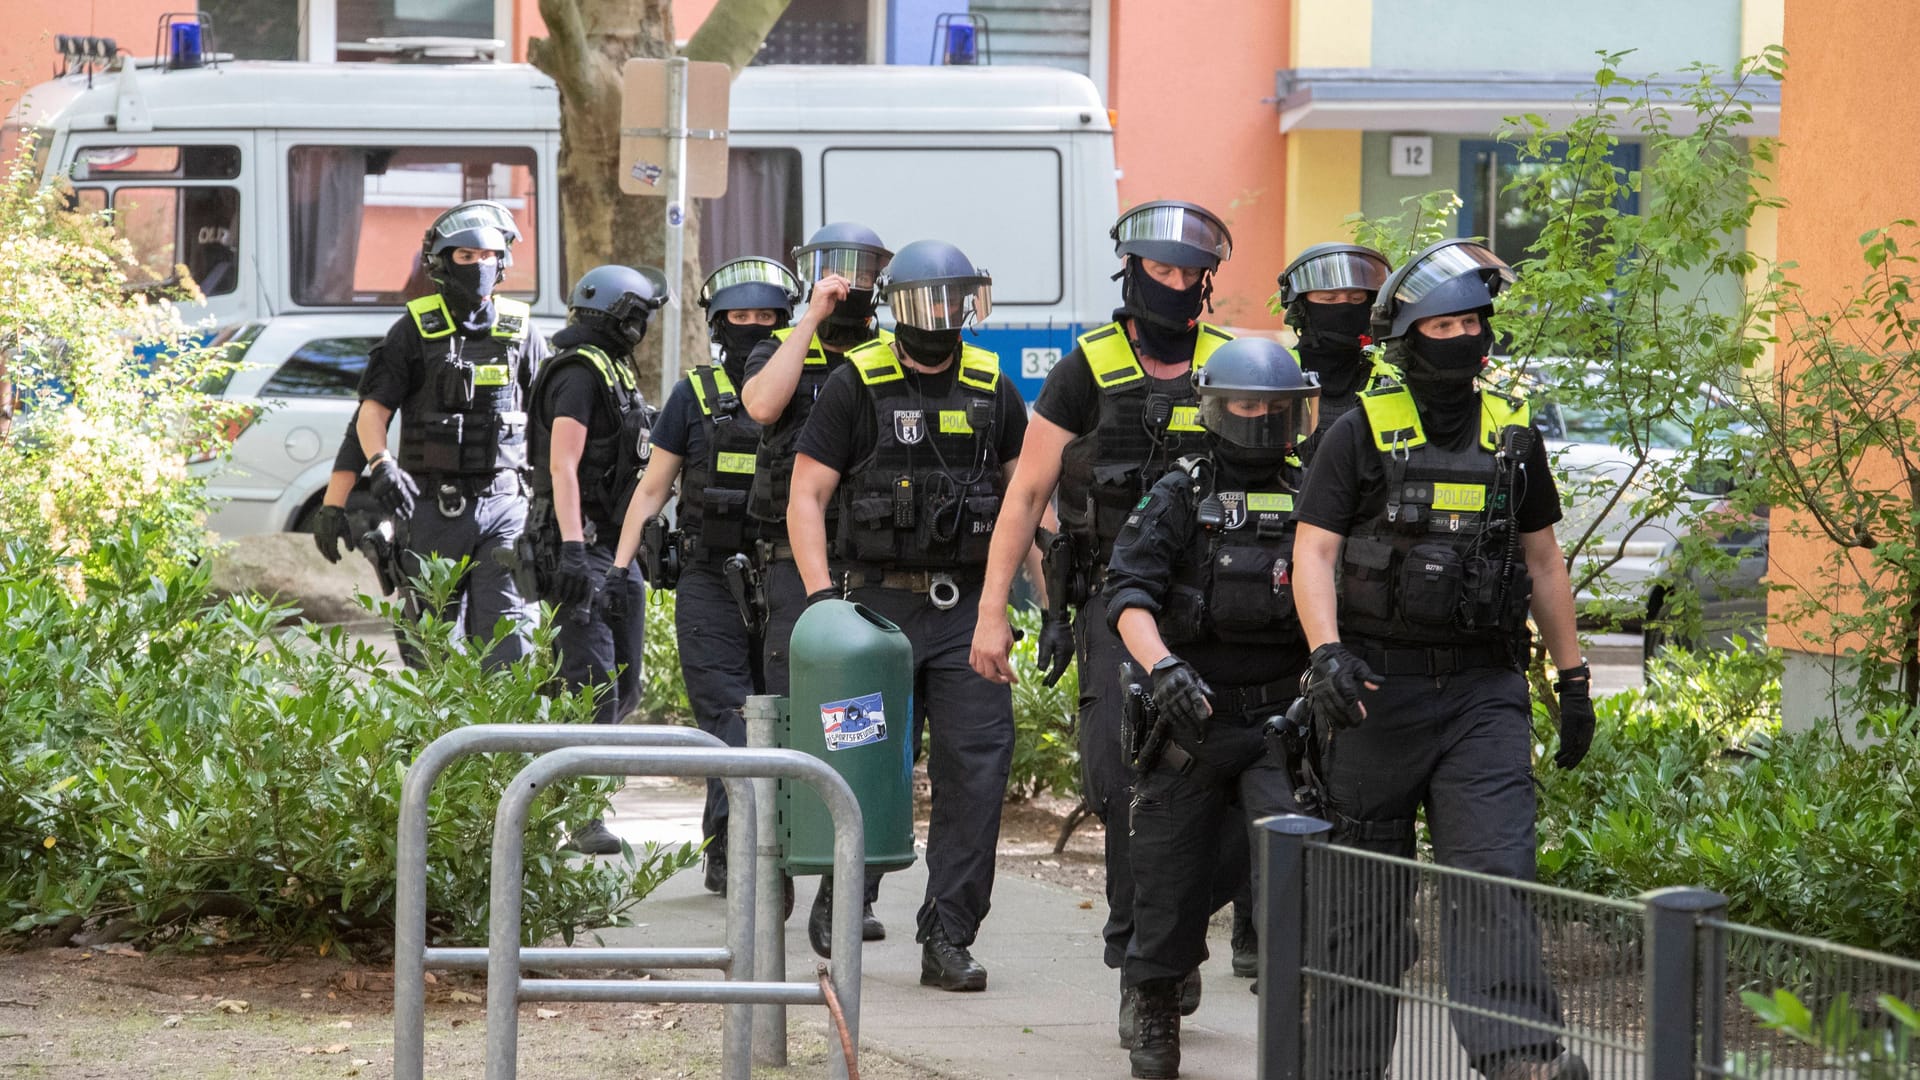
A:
(410, 952)
(762, 714)
(506, 989)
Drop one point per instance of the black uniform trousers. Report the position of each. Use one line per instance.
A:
(786, 601)
(476, 526)
(1459, 744)
(1107, 781)
(601, 643)
(969, 728)
(720, 665)
(1190, 834)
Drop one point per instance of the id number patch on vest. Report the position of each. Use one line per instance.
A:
(1466, 498)
(853, 722)
(735, 463)
(909, 426)
(954, 422)
(490, 375)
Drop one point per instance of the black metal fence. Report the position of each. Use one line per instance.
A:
(1373, 965)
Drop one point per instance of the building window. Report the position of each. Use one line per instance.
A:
(1490, 208)
(255, 29)
(818, 32)
(362, 20)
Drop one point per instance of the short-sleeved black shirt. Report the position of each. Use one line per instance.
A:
(675, 430)
(844, 430)
(1161, 543)
(1070, 398)
(350, 457)
(1347, 484)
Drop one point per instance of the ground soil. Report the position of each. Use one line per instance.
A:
(115, 1014)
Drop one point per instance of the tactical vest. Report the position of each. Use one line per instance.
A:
(610, 462)
(1142, 432)
(1380, 374)
(468, 418)
(1235, 580)
(712, 510)
(927, 496)
(1428, 569)
(773, 469)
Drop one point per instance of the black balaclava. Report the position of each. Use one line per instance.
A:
(736, 341)
(598, 330)
(930, 348)
(469, 292)
(851, 321)
(1164, 319)
(1331, 339)
(1441, 374)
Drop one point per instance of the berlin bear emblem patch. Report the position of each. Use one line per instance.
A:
(909, 426)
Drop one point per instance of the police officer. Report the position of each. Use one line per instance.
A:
(705, 439)
(915, 439)
(1201, 566)
(457, 367)
(1435, 504)
(841, 263)
(1112, 417)
(1327, 292)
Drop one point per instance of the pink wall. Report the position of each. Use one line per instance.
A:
(26, 49)
(1192, 126)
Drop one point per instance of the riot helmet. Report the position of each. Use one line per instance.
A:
(481, 224)
(852, 251)
(1263, 374)
(1168, 231)
(1330, 336)
(1446, 278)
(935, 291)
(618, 300)
(753, 283)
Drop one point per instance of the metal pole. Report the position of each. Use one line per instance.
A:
(676, 236)
(1672, 990)
(762, 712)
(1280, 912)
(507, 884)
(410, 886)
(736, 1055)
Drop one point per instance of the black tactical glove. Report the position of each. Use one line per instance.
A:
(1181, 696)
(329, 528)
(831, 592)
(394, 487)
(1054, 651)
(616, 587)
(573, 577)
(1334, 678)
(1575, 690)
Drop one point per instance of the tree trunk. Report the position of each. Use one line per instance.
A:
(587, 47)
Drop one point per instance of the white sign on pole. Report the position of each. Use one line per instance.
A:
(1410, 155)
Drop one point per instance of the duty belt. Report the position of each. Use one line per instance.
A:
(909, 580)
(1246, 701)
(1434, 661)
(451, 492)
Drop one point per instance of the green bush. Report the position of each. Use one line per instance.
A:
(170, 755)
(1691, 782)
(1046, 757)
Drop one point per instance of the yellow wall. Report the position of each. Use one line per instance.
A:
(1331, 34)
(1851, 162)
(1323, 186)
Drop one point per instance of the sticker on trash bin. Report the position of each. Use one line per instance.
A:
(853, 722)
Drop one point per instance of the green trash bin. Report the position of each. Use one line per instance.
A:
(852, 707)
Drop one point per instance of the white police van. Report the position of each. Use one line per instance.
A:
(301, 188)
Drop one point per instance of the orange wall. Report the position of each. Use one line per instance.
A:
(1839, 107)
(26, 48)
(1193, 126)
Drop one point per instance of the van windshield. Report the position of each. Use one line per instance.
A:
(356, 215)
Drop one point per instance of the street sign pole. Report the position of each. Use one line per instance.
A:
(676, 217)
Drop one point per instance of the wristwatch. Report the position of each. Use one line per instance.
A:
(1580, 673)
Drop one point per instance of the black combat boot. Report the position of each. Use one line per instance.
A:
(1129, 1014)
(1156, 1041)
(1190, 993)
(871, 928)
(593, 838)
(949, 966)
(1246, 943)
(820, 920)
(716, 873)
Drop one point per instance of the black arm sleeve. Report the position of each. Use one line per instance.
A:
(1539, 503)
(1150, 542)
(351, 458)
(671, 429)
(1344, 473)
(572, 392)
(839, 432)
(1069, 398)
(393, 367)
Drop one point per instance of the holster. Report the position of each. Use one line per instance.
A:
(1059, 571)
(1291, 740)
(748, 584)
(660, 553)
(381, 547)
(1143, 731)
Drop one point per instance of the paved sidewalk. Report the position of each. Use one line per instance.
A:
(1048, 1010)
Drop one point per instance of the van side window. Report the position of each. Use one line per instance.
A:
(325, 367)
(761, 212)
(1001, 205)
(107, 163)
(356, 215)
(195, 227)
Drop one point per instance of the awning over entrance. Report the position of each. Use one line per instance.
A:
(1465, 102)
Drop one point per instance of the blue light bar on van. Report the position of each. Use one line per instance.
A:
(962, 48)
(960, 38)
(185, 45)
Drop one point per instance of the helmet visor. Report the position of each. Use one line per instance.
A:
(475, 217)
(1153, 227)
(942, 305)
(1338, 270)
(861, 266)
(1450, 262)
(750, 271)
(1280, 418)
